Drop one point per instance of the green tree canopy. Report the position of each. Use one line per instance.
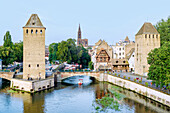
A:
(163, 27)
(159, 60)
(7, 56)
(7, 40)
(18, 51)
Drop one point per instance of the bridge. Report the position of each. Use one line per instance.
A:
(7, 75)
(63, 75)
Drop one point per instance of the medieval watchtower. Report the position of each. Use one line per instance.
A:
(34, 48)
(146, 40)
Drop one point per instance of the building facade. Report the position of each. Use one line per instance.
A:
(34, 48)
(81, 41)
(146, 40)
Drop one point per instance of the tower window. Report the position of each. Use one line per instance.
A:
(156, 36)
(29, 65)
(37, 65)
(40, 31)
(149, 36)
(31, 31)
(153, 36)
(116, 61)
(36, 31)
(120, 49)
(27, 31)
(146, 36)
(123, 61)
(119, 53)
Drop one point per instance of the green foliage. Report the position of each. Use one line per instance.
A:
(7, 40)
(134, 79)
(124, 77)
(18, 51)
(146, 83)
(129, 78)
(91, 65)
(159, 60)
(7, 55)
(163, 27)
(140, 81)
(68, 51)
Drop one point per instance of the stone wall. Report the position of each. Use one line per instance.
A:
(32, 86)
(148, 92)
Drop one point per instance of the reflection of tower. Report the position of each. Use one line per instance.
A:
(101, 90)
(79, 36)
(34, 48)
(32, 103)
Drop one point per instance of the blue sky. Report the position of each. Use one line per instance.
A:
(110, 20)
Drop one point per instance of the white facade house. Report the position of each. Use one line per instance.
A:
(0, 64)
(118, 51)
(131, 61)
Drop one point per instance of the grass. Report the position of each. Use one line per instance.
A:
(12, 91)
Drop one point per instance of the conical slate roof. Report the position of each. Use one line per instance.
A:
(147, 28)
(34, 21)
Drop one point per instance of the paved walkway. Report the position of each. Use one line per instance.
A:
(141, 78)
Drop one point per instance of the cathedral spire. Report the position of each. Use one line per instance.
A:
(79, 32)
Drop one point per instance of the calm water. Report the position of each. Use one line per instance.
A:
(74, 99)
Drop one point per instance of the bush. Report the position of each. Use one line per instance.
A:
(124, 77)
(140, 81)
(146, 84)
(119, 75)
(129, 78)
(115, 74)
(134, 79)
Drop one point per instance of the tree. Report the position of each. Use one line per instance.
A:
(7, 40)
(163, 27)
(53, 48)
(159, 60)
(91, 65)
(6, 54)
(18, 51)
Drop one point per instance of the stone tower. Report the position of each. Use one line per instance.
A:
(146, 40)
(34, 48)
(79, 36)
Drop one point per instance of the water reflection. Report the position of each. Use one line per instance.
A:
(74, 99)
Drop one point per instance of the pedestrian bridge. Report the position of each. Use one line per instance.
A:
(63, 75)
(7, 75)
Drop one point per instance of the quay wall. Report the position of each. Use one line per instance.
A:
(143, 90)
(32, 86)
(138, 88)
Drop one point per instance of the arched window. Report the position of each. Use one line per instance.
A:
(123, 61)
(36, 31)
(149, 36)
(116, 61)
(153, 36)
(29, 65)
(31, 31)
(146, 36)
(156, 36)
(27, 31)
(40, 31)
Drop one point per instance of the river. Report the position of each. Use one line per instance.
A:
(76, 99)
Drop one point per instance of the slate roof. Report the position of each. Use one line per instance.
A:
(147, 28)
(34, 21)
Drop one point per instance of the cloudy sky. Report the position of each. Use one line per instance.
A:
(110, 20)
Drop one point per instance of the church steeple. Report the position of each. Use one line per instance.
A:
(79, 32)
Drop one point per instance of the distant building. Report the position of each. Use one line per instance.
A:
(0, 64)
(81, 41)
(115, 57)
(146, 40)
(34, 48)
(47, 53)
(131, 59)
